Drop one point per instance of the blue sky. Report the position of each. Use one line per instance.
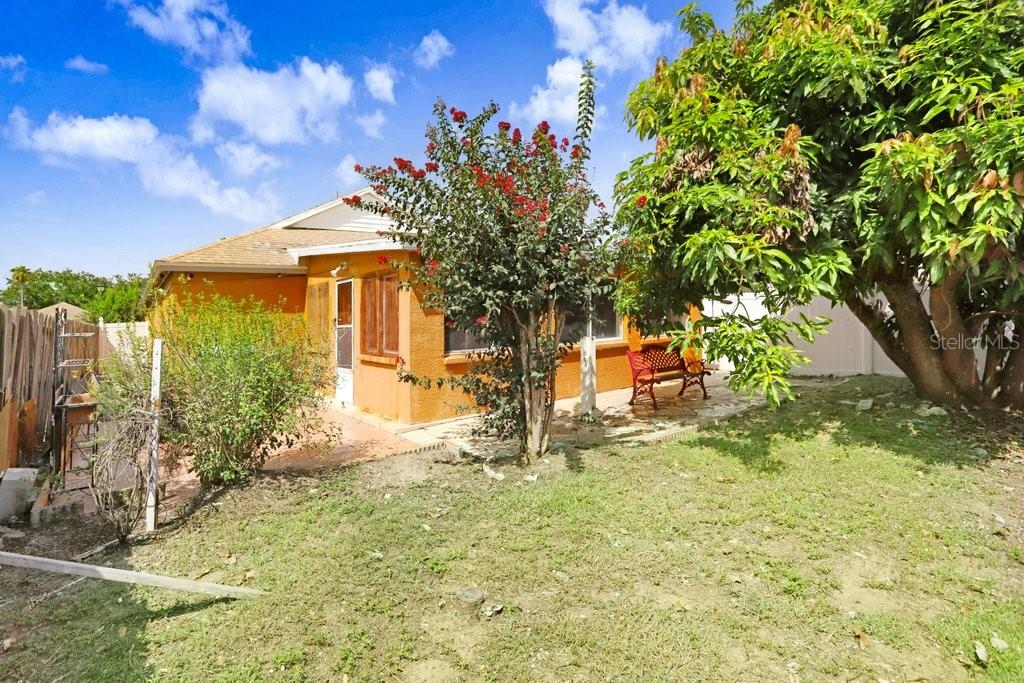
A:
(133, 129)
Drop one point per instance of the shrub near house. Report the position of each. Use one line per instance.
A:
(241, 379)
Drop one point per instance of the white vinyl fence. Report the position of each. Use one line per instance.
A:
(113, 335)
(847, 348)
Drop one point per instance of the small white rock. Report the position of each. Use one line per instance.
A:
(493, 474)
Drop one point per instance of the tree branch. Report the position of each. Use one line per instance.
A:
(871, 317)
(975, 321)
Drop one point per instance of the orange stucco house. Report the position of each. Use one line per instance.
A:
(327, 262)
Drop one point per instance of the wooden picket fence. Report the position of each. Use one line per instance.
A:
(26, 378)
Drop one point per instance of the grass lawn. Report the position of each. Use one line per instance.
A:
(810, 543)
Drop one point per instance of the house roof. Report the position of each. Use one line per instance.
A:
(271, 249)
(262, 250)
(352, 247)
(74, 312)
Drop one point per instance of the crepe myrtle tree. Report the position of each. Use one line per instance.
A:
(868, 151)
(512, 240)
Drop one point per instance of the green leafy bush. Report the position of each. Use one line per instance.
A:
(120, 302)
(241, 381)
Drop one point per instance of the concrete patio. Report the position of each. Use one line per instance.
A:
(616, 420)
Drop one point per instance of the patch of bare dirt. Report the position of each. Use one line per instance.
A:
(459, 630)
(402, 470)
(60, 541)
(866, 583)
(430, 671)
(923, 662)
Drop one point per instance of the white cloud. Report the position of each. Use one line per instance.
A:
(616, 37)
(555, 101)
(346, 173)
(292, 104)
(163, 167)
(380, 81)
(35, 198)
(245, 158)
(86, 66)
(204, 29)
(14, 64)
(372, 123)
(432, 49)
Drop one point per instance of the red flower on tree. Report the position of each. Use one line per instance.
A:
(383, 259)
(354, 200)
(482, 320)
(543, 127)
(504, 126)
(431, 146)
(458, 116)
(641, 201)
(431, 167)
(432, 266)
(358, 168)
(517, 136)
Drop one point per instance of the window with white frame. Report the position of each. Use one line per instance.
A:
(607, 322)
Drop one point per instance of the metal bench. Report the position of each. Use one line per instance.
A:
(656, 364)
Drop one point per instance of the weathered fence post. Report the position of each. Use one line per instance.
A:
(154, 438)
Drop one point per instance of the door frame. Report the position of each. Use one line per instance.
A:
(352, 336)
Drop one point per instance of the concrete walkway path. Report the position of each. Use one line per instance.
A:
(617, 421)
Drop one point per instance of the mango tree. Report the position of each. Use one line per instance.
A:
(868, 151)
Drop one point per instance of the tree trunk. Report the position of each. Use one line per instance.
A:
(956, 348)
(927, 371)
(538, 391)
(871, 317)
(936, 349)
(1012, 376)
(536, 415)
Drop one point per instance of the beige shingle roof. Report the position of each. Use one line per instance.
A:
(265, 249)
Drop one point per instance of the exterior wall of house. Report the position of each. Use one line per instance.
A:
(266, 287)
(376, 386)
(421, 338)
(421, 346)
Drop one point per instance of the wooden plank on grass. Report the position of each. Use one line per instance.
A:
(124, 576)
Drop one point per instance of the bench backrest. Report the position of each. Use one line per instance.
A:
(657, 358)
